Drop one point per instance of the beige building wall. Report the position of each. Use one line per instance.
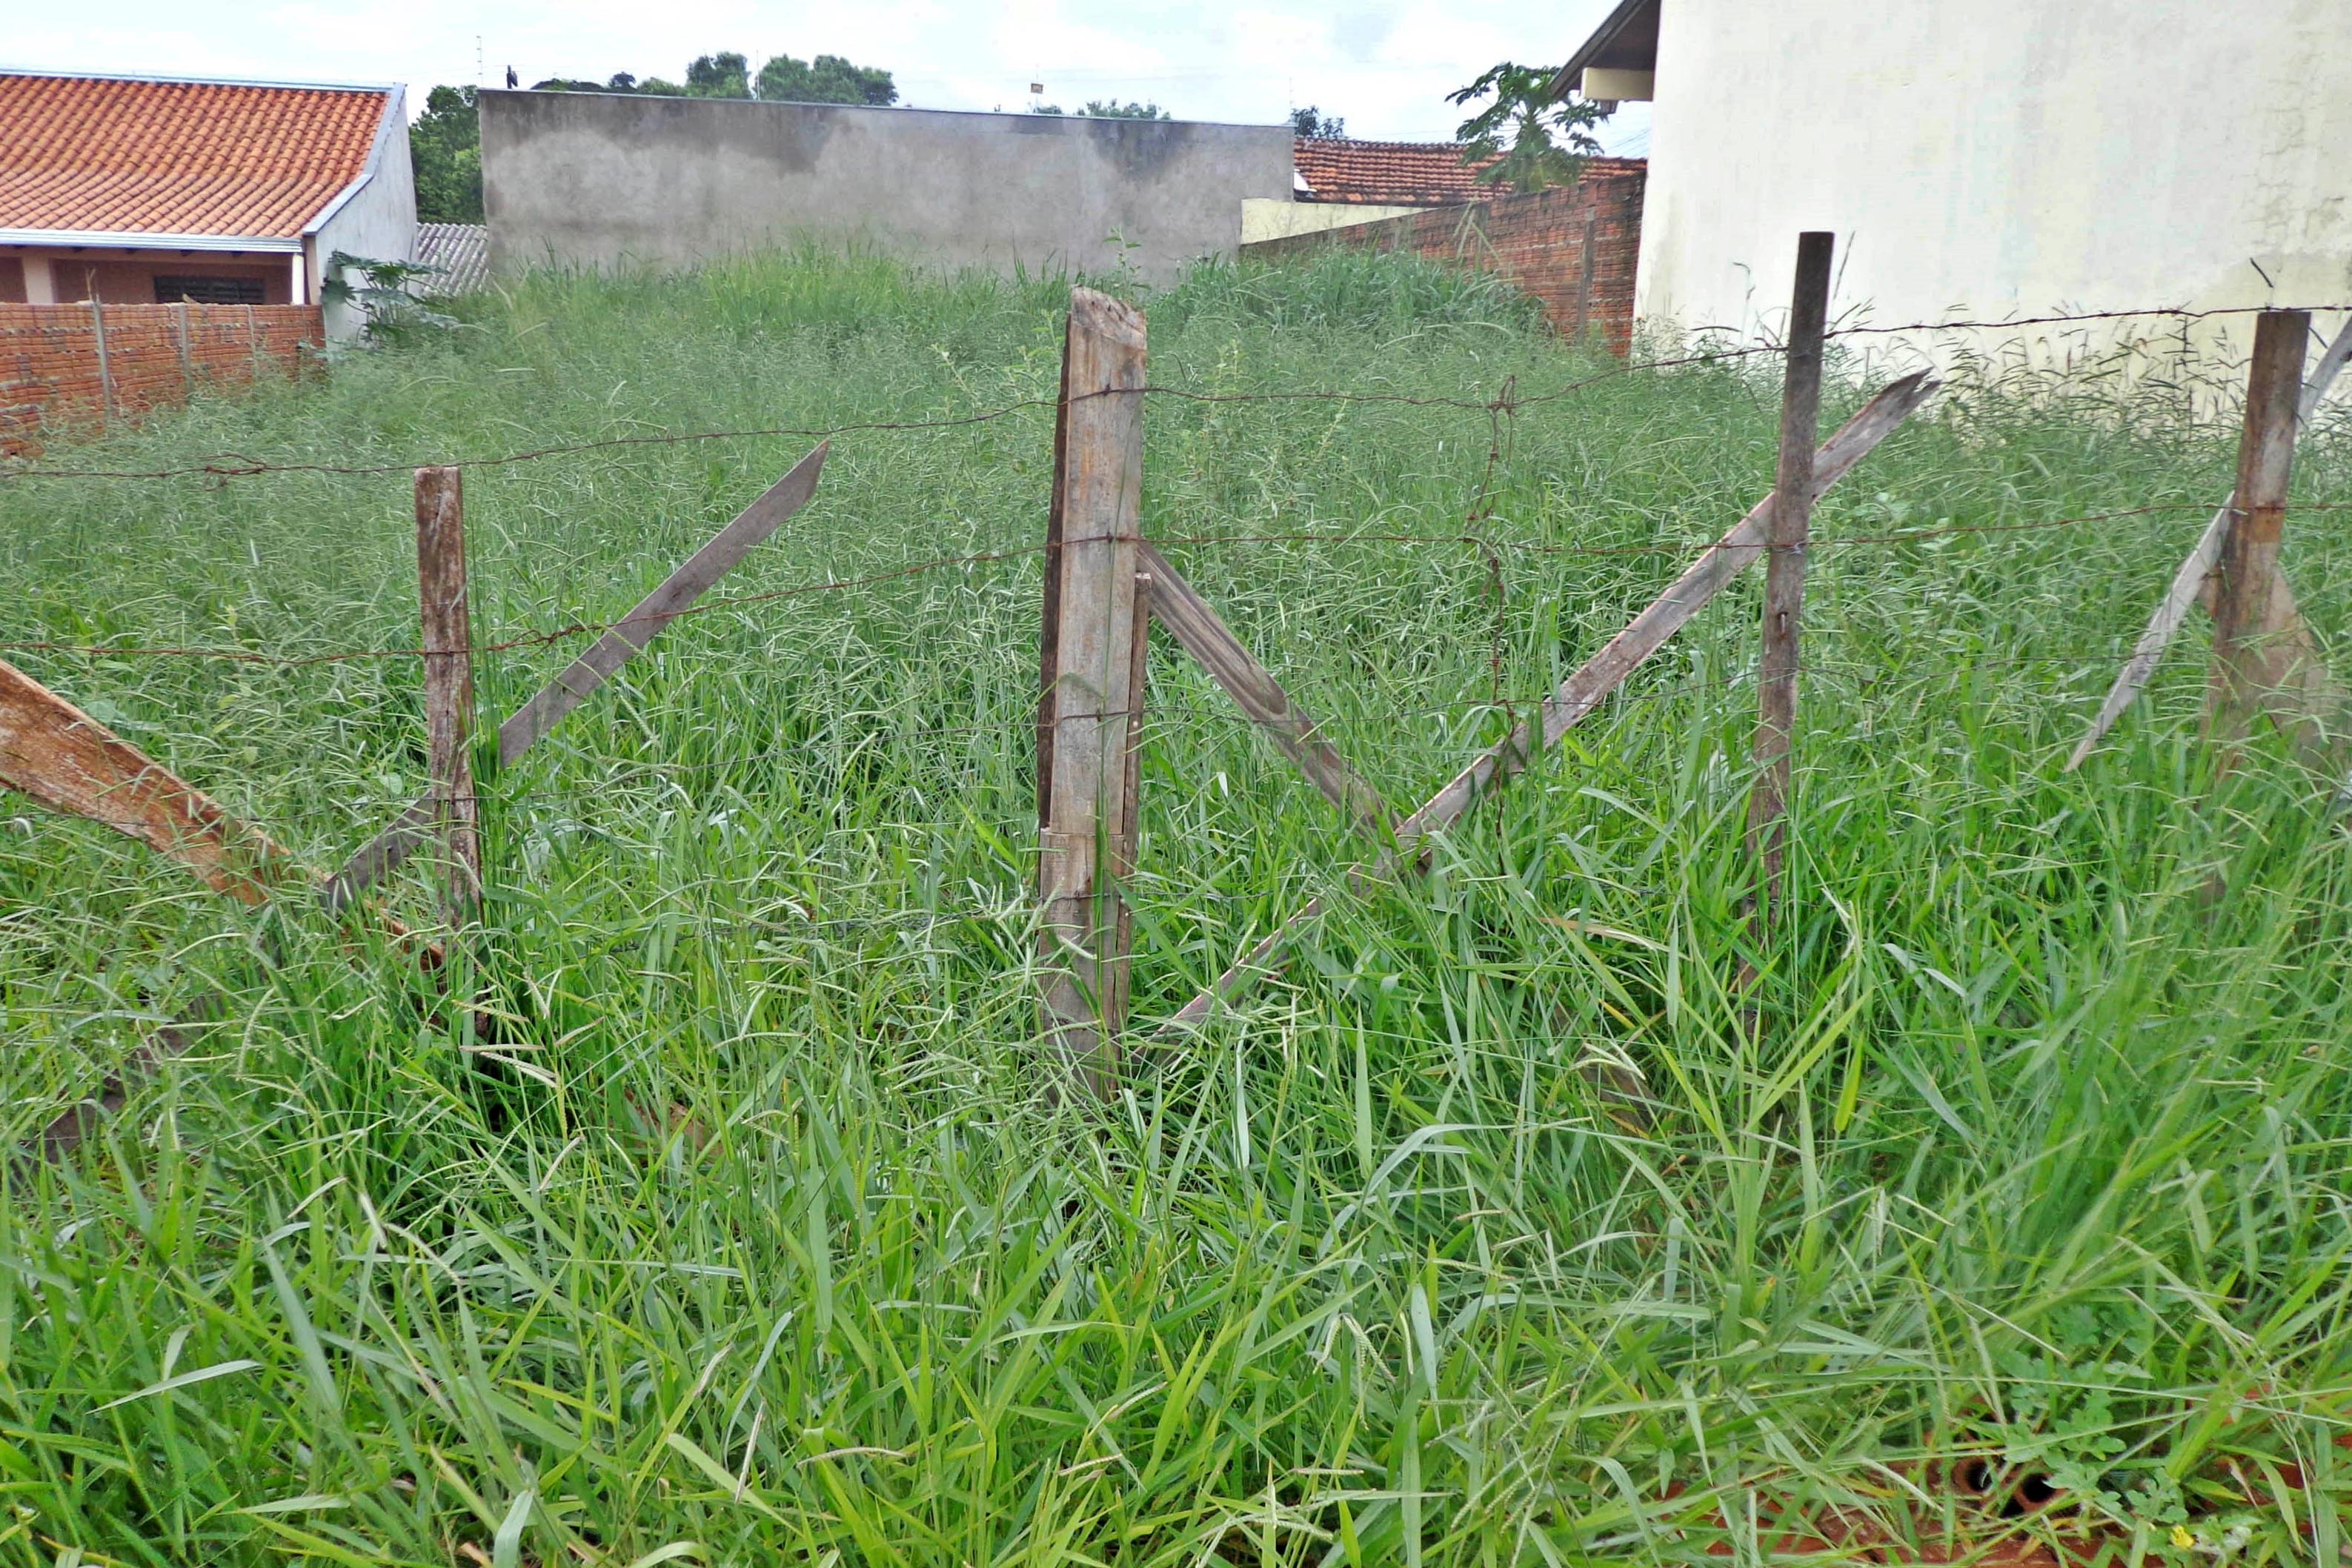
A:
(2005, 157)
(1265, 218)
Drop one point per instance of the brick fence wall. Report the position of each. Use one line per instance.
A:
(84, 368)
(1536, 241)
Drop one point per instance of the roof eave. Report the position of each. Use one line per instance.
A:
(200, 81)
(1565, 81)
(117, 240)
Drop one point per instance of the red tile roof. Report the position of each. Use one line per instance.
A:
(1388, 173)
(119, 156)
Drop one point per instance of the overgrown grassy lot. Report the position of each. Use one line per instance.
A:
(762, 1237)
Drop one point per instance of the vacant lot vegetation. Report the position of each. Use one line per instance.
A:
(757, 1236)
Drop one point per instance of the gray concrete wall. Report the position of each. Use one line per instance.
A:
(605, 180)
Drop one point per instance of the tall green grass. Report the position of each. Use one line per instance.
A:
(752, 1232)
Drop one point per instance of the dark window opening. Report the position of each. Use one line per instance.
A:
(170, 290)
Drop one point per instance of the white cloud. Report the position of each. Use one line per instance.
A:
(1386, 64)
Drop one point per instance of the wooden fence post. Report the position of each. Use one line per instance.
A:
(1784, 581)
(1088, 667)
(187, 365)
(105, 369)
(2193, 584)
(448, 681)
(1584, 291)
(2251, 662)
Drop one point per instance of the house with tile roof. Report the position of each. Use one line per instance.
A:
(1338, 181)
(153, 190)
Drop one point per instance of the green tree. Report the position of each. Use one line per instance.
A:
(1535, 139)
(720, 76)
(445, 147)
(1311, 122)
(1097, 108)
(829, 78)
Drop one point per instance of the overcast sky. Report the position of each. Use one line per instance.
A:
(1386, 64)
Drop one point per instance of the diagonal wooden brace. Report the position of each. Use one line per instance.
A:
(1583, 691)
(534, 720)
(61, 756)
(1202, 633)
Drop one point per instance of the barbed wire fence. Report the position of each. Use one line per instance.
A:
(1104, 585)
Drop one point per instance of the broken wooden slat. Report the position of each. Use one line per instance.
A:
(66, 1130)
(1582, 692)
(1178, 606)
(59, 755)
(2251, 669)
(1099, 486)
(2192, 585)
(537, 717)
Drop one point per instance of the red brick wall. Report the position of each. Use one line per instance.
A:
(1536, 241)
(156, 356)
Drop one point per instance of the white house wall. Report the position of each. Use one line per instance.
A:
(2000, 157)
(378, 223)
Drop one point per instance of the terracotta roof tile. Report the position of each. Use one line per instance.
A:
(1388, 173)
(174, 157)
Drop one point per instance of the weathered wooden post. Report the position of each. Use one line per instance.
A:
(1584, 289)
(1784, 580)
(105, 366)
(1090, 705)
(1131, 806)
(187, 366)
(2254, 661)
(448, 683)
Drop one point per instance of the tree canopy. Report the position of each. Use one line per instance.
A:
(829, 78)
(445, 145)
(1535, 139)
(725, 75)
(1110, 108)
(1312, 122)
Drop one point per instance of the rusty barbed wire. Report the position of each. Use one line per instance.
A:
(231, 466)
(628, 773)
(1487, 544)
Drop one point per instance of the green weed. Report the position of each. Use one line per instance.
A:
(750, 1234)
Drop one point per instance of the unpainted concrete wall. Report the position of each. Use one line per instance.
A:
(606, 180)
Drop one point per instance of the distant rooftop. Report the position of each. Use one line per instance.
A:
(136, 155)
(1410, 174)
(1388, 173)
(461, 251)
